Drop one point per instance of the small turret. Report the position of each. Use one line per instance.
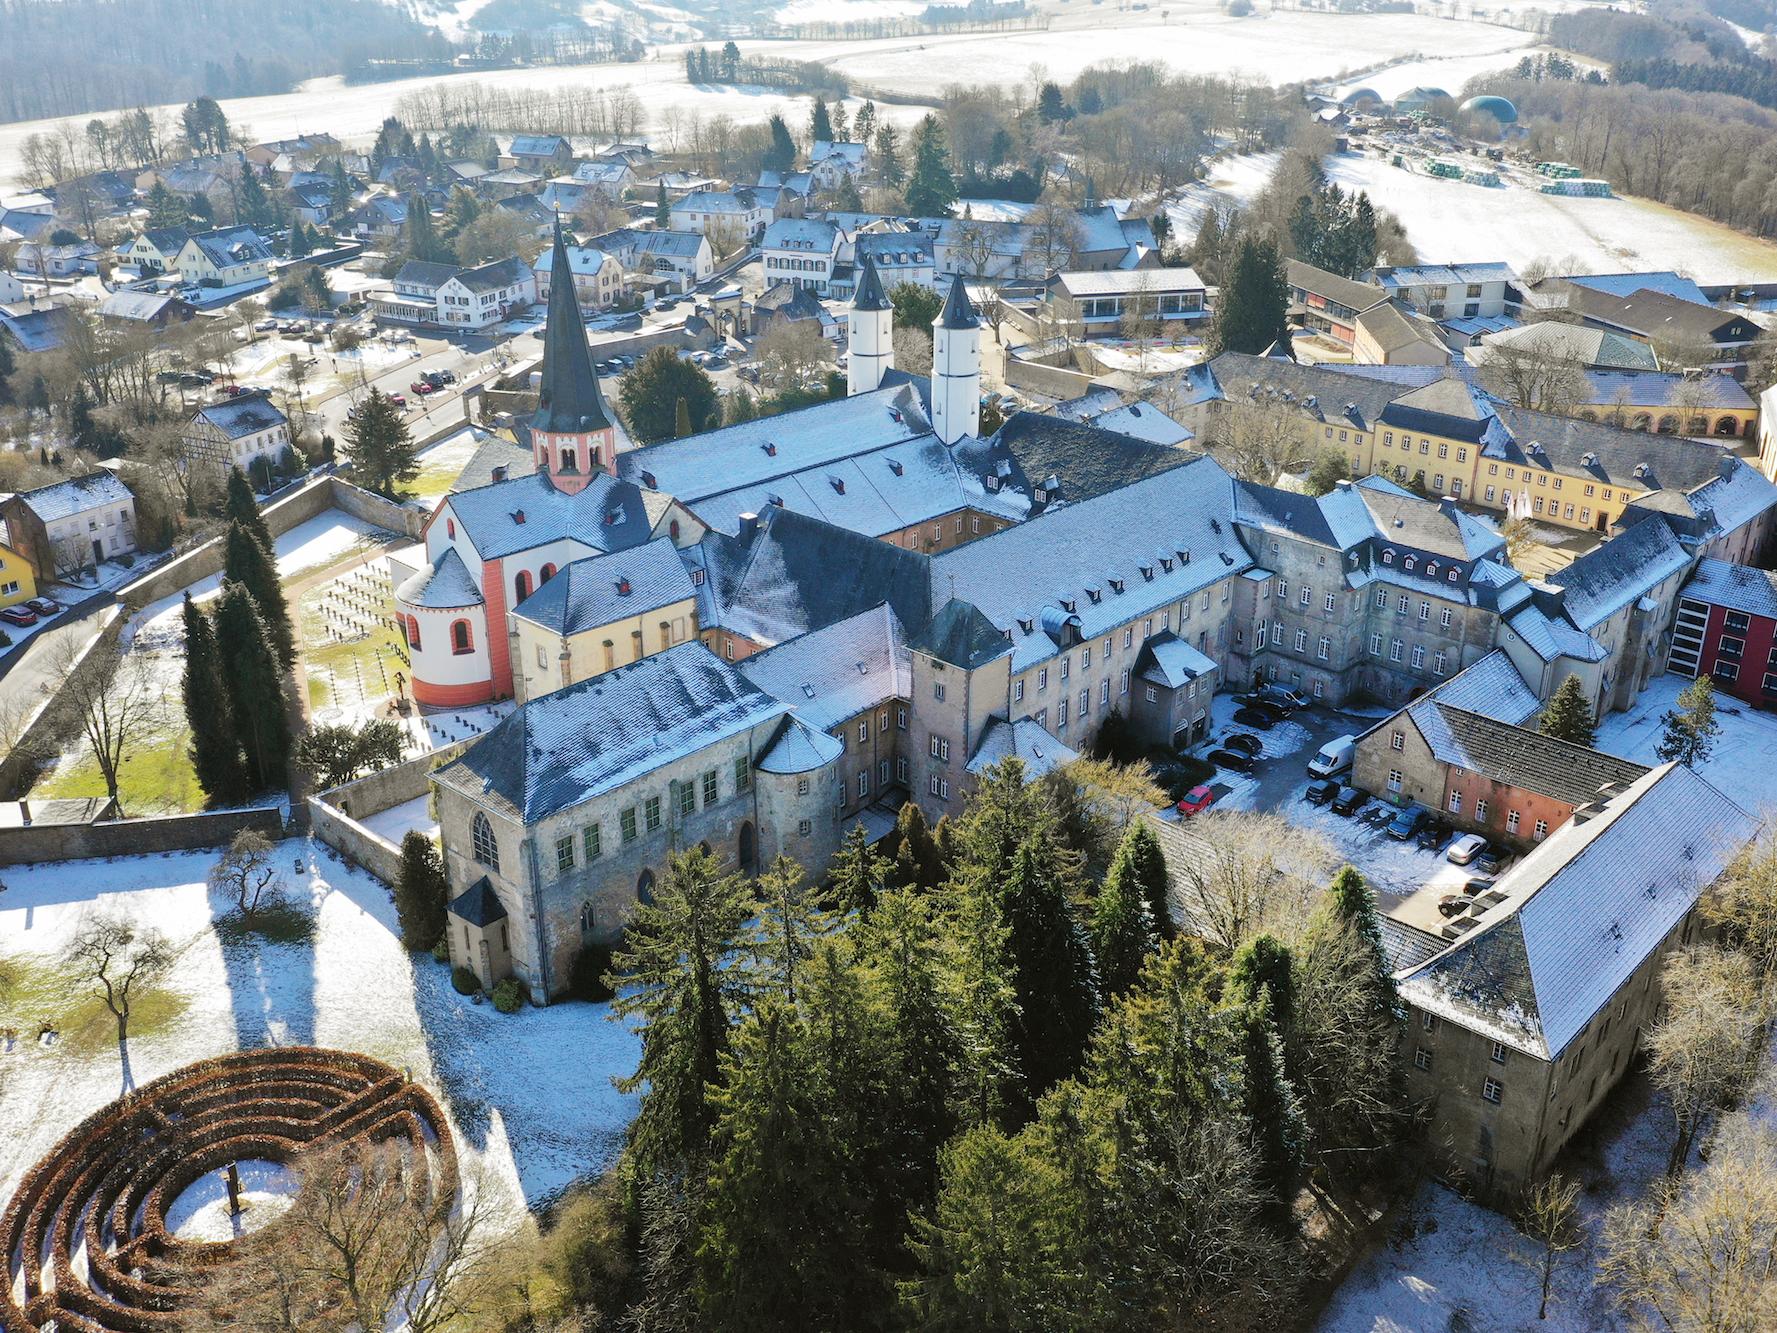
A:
(956, 367)
(869, 333)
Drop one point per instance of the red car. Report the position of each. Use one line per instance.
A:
(422, 388)
(19, 615)
(1197, 800)
(399, 399)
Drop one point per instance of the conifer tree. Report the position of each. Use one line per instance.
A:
(1050, 962)
(1252, 312)
(917, 864)
(681, 418)
(250, 565)
(242, 506)
(252, 207)
(421, 892)
(678, 978)
(791, 922)
(254, 681)
(1689, 731)
(1122, 925)
(215, 744)
(983, 1001)
(1569, 716)
(781, 156)
(856, 872)
(1354, 902)
(820, 127)
(931, 190)
(1275, 1117)
(1148, 866)
(663, 212)
(383, 455)
(422, 240)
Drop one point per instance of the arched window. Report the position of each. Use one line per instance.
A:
(450, 528)
(521, 586)
(673, 529)
(748, 846)
(461, 639)
(588, 918)
(1698, 425)
(1641, 422)
(1668, 425)
(1727, 426)
(548, 573)
(570, 459)
(413, 633)
(645, 887)
(481, 837)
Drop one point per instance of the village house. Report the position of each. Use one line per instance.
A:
(226, 257)
(235, 433)
(1448, 291)
(598, 277)
(18, 578)
(132, 309)
(541, 154)
(48, 260)
(800, 251)
(610, 179)
(1328, 304)
(727, 217)
(1390, 335)
(456, 297)
(1106, 300)
(1726, 629)
(155, 249)
(830, 162)
(67, 525)
(381, 215)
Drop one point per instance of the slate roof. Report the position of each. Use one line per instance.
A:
(1524, 757)
(1490, 687)
(832, 674)
(1023, 740)
(63, 499)
(249, 414)
(1166, 659)
(493, 453)
(789, 574)
(1586, 346)
(490, 515)
(961, 636)
(1447, 407)
(1038, 449)
(869, 295)
(168, 240)
(1393, 329)
(1344, 291)
(478, 904)
(144, 306)
(806, 234)
(1652, 314)
(491, 277)
(679, 244)
(1627, 284)
(227, 246)
(568, 397)
(1695, 393)
(567, 747)
(1442, 275)
(959, 311)
(1583, 911)
(586, 594)
(536, 145)
(1736, 587)
(1674, 463)
(1106, 409)
(799, 748)
(1125, 282)
(443, 585)
(425, 273)
(1614, 574)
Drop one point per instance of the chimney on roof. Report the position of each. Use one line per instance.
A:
(623, 588)
(1725, 466)
(1447, 506)
(25, 813)
(500, 473)
(749, 523)
(1344, 483)
(518, 517)
(838, 484)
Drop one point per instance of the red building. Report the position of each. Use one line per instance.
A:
(1727, 630)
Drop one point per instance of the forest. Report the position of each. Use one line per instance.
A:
(98, 55)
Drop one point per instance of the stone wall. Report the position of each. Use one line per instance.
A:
(334, 814)
(1052, 381)
(134, 837)
(42, 736)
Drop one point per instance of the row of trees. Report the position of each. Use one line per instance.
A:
(976, 1084)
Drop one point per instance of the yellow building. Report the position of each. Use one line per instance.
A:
(597, 615)
(18, 580)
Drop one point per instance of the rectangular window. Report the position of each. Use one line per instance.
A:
(1418, 656)
(709, 787)
(1326, 647)
(1511, 821)
(863, 728)
(1066, 666)
(1042, 679)
(1104, 691)
(1437, 664)
(938, 689)
(1447, 617)
(900, 717)
(863, 784)
(1394, 779)
(1085, 702)
(1498, 1053)
(802, 786)
(627, 822)
(1381, 600)
(687, 798)
(1331, 601)
(1541, 830)
(1123, 682)
(900, 768)
(1421, 1058)
(1018, 691)
(590, 842)
(1480, 812)
(1395, 650)
(1455, 802)
(564, 854)
(1429, 1022)
(743, 774)
(1397, 740)
(1375, 645)
(651, 813)
(1492, 1091)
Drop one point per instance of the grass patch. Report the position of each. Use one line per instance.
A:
(281, 922)
(350, 672)
(35, 990)
(155, 779)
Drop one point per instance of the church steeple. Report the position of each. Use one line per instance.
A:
(571, 432)
(870, 332)
(956, 366)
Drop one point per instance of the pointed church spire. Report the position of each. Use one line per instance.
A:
(568, 402)
(959, 311)
(869, 294)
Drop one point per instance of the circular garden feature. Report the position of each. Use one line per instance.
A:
(85, 1240)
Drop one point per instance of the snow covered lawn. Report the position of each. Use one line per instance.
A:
(1742, 765)
(529, 1094)
(323, 540)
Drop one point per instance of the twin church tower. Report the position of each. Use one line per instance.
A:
(956, 353)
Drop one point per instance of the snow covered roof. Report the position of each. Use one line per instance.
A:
(1128, 282)
(1523, 757)
(832, 674)
(592, 737)
(443, 585)
(799, 748)
(1106, 409)
(589, 593)
(1687, 392)
(63, 499)
(1168, 660)
(1606, 453)
(1616, 573)
(522, 513)
(1627, 284)
(1491, 687)
(1589, 347)
(1024, 740)
(231, 245)
(811, 234)
(1441, 275)
(962, 637)
(1736, 587)
(248, 414)
(536, 145)
(1582, 912)
(1550, 635)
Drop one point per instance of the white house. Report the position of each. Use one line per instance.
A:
(1103, 297)
(58, 261)
(11, 289)
(73, 523)
(610, 178)
(235, 432)
(801, 251)
(828, 162)
(155, 249)
(729, 216)
(226, 257)
(598, 277)
(478, 297)
(1448, 291)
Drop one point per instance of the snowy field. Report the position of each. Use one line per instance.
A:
(529, 1094)
(398, 821)
(1742, 765)
(1452, 221)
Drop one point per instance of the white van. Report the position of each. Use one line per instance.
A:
(1334, 758)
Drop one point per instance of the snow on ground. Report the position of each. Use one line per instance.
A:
(845, 11)
(1741, 765)
(398, 821)
(442, 463)
(529, 1094)
(996, 210)
(1230, 182)
(322, 540)
(1446, 72)
(202, 1212)
(1158, 359)
(1453, 221)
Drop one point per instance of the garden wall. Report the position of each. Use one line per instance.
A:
(1053, 381)
(42, 735)
(134, 837)
(334, 814)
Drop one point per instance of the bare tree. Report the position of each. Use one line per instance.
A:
(1701, 1256)
(120, 961)
(245, 873)
(1140, 322)
(1743, 906)
(791, 350)
(1705, 1049)
(115, 710)
(1055, 236)
(1243, 874)
(913, 351)
(1548, 1216)
(1260, 439)
(1537, 372)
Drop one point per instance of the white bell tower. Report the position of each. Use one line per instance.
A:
(956, 367)
(870, 348)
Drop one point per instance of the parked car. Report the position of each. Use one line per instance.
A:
(1477, 884)
(1408, 822)
(1454, 904)
(1465, 849)
(1238, 760)
(1334, 757)
(43, 606)
(1280, 697)
(399, 399)
(1253, 717)
(1322, 792)
(1197, 800)
(1245, 742)
(1349, 801)
(1490, 861)
(19, 615)
(445, 376)
(267, 325)
(233, 390)
(1378, 814)
(422, 388)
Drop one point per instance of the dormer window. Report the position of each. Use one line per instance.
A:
(993, 482)
(1117, 585)
(648, 480)
(1407, 564)
(1166, 563)
(1094, 594)
(770, 449)
(838, 484)
(1068, 604)
(1388, 557)
(1147, 573)
(896, 467)
(1453, 574)
(1431, 569)
(1026, 624)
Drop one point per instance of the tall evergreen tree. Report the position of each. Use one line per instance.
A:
(165, 209)
(916, 864)
(1148, 866)
(422, 240)
(251, 205)
(7, 366)
(1569, 715)
(678, 976)
(254, 682)
(1689, 731)
(1122, 925)
(820, 127)
(885, 155)
(931, 191)
(1271, 1108)
(247, 563)
(983, 999)
(215, 743)
(421, 892)
(856, 872)
(383, 454)
(663, 211)
(1051, 967)
(241, 506)
(791, 923)
(1252, 310)
(781, 156)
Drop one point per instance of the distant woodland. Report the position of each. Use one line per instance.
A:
(73, 56)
